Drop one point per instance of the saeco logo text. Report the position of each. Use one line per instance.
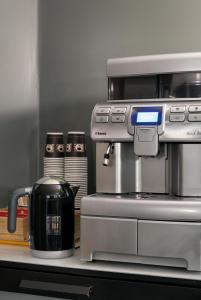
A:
(100, 133)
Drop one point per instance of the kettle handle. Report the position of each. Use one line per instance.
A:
(12, 207)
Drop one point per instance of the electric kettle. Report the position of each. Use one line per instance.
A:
(51, 217)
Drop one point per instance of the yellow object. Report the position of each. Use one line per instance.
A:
(15, 243)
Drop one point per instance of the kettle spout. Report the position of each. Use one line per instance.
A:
(75, 189)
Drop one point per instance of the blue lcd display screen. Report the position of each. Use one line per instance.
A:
(147, 116)
(144, 117)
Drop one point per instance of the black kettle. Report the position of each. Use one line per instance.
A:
(51, 217)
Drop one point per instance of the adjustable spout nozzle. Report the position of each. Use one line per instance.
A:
(109, 151)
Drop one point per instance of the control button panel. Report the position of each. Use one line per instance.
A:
(101, 119)
(118, 119)
(194, 117)
(177, 117)
(177, 109)
(110, 122)
(103, 110)
(180, 122)
(194, 108)
(182, 126)
(118, 110)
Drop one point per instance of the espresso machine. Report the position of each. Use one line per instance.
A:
(147, 205)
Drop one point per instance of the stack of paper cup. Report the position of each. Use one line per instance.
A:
(53, 161)
(76, 164)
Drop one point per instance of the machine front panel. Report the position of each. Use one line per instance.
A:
(178, 121)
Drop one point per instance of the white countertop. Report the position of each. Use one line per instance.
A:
(22, 255)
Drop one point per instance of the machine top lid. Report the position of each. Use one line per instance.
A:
(154, 64)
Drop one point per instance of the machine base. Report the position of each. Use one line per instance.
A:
(149, 230)
(158, 261)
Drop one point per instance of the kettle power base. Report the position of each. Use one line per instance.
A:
(51, 254)
(147, 228)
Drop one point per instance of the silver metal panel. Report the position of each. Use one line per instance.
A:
(154, 64)
(184, 131)
(145, 206)
(108, 235)
(148, 175)
(119, 175)
(138, 174)
(181, 131)
(110, 130)
(168, 131)
(173, 262)
(155, 172)
(146, 141)
(171, 240)
(186, 169)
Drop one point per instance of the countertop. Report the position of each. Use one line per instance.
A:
(22, 255)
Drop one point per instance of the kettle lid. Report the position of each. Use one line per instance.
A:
(51, 180)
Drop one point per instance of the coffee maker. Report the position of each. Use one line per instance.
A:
(147, 206)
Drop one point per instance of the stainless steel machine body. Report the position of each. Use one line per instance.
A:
(147, 208)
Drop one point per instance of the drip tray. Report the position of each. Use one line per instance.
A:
(143, 207)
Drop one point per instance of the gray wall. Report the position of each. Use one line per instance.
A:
(78, 36)
(19, 118)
